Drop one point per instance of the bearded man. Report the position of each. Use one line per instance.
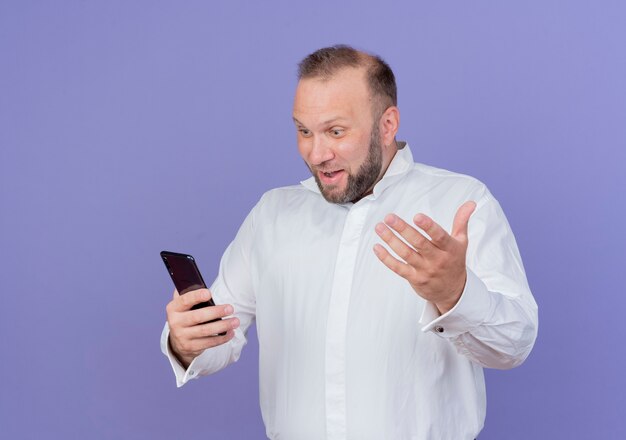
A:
(381, 287)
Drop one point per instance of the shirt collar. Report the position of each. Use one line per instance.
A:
(400, 164)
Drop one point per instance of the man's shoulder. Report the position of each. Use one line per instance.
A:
(287, 192)
(286, 195)
(441, 173)
(421, 174)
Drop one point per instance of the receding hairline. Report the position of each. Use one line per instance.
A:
(337, 72)
(324, 69)
(326, 63)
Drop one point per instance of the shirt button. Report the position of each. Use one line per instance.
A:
(439, 329)
(191, 373)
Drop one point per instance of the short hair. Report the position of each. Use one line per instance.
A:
(325, 62)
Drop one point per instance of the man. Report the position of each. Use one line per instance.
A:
(374, 321)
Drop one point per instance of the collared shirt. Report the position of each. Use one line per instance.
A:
(347, 349)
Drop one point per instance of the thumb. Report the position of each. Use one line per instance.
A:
(461, 219)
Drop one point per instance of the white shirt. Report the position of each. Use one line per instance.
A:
(347, 349)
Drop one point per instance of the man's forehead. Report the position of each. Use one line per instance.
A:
(321, 109)
(332, 97)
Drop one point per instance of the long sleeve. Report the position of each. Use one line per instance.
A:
(233, 286)
(495, 322)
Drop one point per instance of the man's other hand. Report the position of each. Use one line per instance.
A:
(435, 268)
(190, 331)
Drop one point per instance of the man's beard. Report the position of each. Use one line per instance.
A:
(358, 184)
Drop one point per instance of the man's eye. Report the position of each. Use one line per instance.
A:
(304, 132)
(336, 132)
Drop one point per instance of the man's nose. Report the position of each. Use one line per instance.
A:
(321, 151)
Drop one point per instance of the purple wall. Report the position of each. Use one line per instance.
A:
(131, 127)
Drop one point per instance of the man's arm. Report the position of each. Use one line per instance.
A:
(194, 348)
(473, 280)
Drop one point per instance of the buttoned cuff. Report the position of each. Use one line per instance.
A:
(182, 376)
(468, 313)
(207, 362)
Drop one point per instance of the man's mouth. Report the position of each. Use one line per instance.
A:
(330, 177)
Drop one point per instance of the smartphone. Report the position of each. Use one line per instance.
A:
(186, 276)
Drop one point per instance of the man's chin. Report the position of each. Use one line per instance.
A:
(332, 193)
(333, 197)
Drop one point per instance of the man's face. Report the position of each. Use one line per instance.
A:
(337, 135)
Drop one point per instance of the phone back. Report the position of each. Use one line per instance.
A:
(183, 270)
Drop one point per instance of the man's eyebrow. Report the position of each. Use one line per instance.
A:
(333, 120)
(326, 122)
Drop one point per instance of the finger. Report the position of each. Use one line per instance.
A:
(402, 269)
(190, 299)
(461, 220)
(403, 250)
(201, 344)
(175, 295)
(212, 328)
(206, 314)
(409, 233)
(438, 236)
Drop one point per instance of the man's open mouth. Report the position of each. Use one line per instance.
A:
(330, 177)
(331, 173)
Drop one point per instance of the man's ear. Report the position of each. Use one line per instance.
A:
(389, 122)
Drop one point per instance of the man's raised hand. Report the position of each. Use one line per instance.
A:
(435, 268)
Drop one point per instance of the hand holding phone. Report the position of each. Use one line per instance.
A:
(195, 322)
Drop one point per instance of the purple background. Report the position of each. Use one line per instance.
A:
(131, 127)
